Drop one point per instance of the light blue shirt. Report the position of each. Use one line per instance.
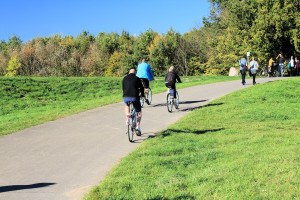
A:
(144, 71)
(253, 64)
(242, 61)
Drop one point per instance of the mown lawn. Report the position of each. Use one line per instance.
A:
(27, 101)
(242, 146)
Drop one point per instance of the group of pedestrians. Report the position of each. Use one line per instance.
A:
(134, 85)
(253, 66)
(293, 66)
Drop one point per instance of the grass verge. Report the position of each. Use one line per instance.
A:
(244, 145)
(27, 101)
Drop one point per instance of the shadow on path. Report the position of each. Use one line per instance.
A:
(191, 102)
(180, 102)
(168, 132)
(143, 137)
(23, 187)
(196, 107)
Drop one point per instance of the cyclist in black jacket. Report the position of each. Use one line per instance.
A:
(170, 80)
(132, 87)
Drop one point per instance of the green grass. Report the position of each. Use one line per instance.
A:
(244, 145)
(27, 101)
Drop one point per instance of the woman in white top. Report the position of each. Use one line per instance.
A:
(254, 68)
(292, 66)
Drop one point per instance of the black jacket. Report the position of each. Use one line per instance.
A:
(171, 78)
(132, 86)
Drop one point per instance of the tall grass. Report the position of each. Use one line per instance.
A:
(27, 101)
(242, 146)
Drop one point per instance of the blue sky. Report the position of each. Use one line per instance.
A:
(32, 18)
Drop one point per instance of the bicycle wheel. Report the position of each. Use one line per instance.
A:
(132, 123)
(150, 96)
(169, 102)
(142, 101)
(262, 73)
(176, 104)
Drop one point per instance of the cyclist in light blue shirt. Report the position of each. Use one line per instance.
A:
(145, 73)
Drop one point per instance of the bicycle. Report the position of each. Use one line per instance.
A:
(265, 72)
(142, 99)
(131, 129)
(170, 100)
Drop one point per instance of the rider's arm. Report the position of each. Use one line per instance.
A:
(150, 72)
(178, 78)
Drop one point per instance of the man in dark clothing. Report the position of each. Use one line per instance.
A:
(281, 64)
(170, 81)
(132, 87)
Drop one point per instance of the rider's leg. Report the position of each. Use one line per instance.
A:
(146, 92)
(138, 118)
(126, 109)
(174, 95)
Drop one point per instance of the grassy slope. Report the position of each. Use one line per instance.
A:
(242, 146)
(28, 101)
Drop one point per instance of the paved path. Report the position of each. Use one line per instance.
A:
(63, 159)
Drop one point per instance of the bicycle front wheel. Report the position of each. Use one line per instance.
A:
(142, 101)
(176, 104)
(169, 103)
(150, 96)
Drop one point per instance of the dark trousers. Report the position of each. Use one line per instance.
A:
(254, 75)
(243, 76)
(292, 71)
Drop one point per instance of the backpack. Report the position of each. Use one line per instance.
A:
(244, 68)
(253, 68)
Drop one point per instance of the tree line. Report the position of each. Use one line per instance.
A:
(263, 27)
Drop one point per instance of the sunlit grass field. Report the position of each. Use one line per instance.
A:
(244, 145)
(27, 101)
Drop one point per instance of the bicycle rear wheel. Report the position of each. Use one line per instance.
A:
(150, 96)
(169, 102)
(176, 104)
(132, 123)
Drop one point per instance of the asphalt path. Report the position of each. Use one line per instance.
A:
(63, 159)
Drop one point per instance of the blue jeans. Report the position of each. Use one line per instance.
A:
(243, 77)
(136, 103)
(281, 69)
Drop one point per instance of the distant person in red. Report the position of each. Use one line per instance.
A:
(297, 67)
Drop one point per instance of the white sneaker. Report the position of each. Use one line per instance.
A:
(138, 131)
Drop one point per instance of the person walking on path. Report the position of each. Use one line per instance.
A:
(254, 68)
(281, 65)
(132, 87)
(243, 68)
(271, 61)
(145, 73)
(292, 66)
